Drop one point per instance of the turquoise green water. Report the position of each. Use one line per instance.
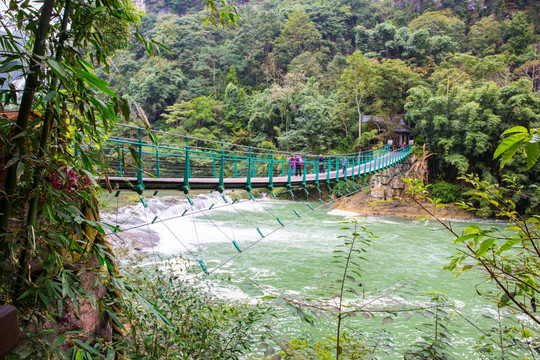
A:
(297, 261)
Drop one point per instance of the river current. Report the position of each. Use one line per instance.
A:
(403, 266)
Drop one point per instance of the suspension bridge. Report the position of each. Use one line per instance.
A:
(141, 160)
(143, 163)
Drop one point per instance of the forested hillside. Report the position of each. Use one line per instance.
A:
(298, 75)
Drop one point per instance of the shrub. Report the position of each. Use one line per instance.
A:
(446, 192)
(168, 318)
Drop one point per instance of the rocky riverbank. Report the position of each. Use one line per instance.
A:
(364, 204)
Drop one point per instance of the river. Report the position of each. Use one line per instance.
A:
(296, 260)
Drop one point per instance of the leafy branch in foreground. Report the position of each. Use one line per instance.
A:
(510, 145)
(510, 256)
(169, 318)
(435, 339)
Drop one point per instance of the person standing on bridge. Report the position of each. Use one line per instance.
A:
(344, 165)
(299, 165)
(293, 163)
(321, 164)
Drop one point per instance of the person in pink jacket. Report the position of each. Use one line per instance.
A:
(292, 159)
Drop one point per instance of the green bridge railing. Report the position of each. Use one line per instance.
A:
(138, 156)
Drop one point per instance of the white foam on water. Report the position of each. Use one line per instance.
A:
(344, 213)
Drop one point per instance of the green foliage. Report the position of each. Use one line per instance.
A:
(512, 143)
(517, 33)
(156, 86)
(57, 268)
(441, 23)
(446, 192)
(298, 34)
(508, 257)
(358, 84)
(486, 37)
(351, 345)
(367, 139)
(435, 342)
(201, 113)
(171, 319)
(53, 255)
(462, 121)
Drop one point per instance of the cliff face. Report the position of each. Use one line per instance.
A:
(162, 7)
(179, 7)
(140, 4)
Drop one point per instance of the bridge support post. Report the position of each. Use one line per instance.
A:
(140, 186)
(254, 168)
(337, 168)
(288, 185)
(304, 170)
(158, 170)
(221, 185)
(270, 185)
(235, 166)
(346, 168)
(214, 165)
(187, 170)
(120, 153)
(248, 178)
(316, 171)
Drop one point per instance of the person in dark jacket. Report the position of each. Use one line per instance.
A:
(321, 164)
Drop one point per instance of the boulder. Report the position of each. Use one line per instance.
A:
(396, 183)
(378, 192)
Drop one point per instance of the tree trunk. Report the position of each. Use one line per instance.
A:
(47, 119)
(6, 203)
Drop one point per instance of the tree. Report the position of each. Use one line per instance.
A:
(462, 121)
(213, 61)
(439, 23)
(531, 70)
(395, 80)
(358, 84)
(518, 33)
(485, 36)
(49, 221)
(313, 128)
(494, 68)
(201, 112)
(332, 21)
(253, 42)
(299, 34)
(155, 86)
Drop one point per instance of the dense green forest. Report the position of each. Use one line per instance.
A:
(298, 75)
